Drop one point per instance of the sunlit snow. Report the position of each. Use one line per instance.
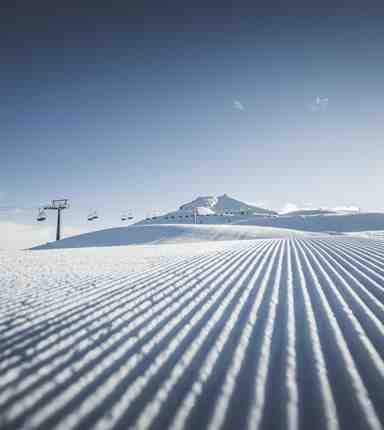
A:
(282, 333)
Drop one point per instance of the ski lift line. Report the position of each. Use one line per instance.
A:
(126, 216)
(58, 205)
(93, 216)
(41, 216)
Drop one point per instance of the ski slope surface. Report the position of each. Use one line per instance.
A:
(282, 333)
(169, 233)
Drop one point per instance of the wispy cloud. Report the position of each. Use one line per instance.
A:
(238, 105)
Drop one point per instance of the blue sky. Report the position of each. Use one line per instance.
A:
(117, 115)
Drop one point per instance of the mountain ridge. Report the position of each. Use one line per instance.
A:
(223, 204)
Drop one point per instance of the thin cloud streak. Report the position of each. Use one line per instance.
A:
(238, 105)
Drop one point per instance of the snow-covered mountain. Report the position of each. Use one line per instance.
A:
(224, 204)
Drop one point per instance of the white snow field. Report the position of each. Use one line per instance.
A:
(169, 233)
(375, 234)
(322, 223)
(252, 334)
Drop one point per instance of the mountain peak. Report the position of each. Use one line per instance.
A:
(223, 203)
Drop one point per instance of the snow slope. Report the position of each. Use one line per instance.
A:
(223, 204)
(266, 334)
(309, 212)
(375, 234)
(305, 220)
(168, 233)
(340, 223)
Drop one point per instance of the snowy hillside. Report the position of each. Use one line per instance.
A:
(224, 204)
(267, 334)
(226, 210)
(336, 223)
(168, 233)
(308, 212)
(312, 221)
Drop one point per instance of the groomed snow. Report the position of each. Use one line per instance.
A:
(169, 233)
(251, 334)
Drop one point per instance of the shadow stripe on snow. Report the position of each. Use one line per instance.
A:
(94, 285)
(275, 333)
(347, 363)
(150, 412)
(362, 254)
(357, 264)
(352, 283)
(100, 293)
(84, 323)
(359, 335)
(185, 265)
(126, 367)
(128, 349)
(253, 272)
(328, 405)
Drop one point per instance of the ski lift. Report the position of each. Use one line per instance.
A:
(41, 215)
(92, 216)
(127, 216)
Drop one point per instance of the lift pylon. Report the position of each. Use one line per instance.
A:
(58, 205)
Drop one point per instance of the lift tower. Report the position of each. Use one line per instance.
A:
(58, 205)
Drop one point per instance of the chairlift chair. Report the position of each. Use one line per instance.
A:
(41, 215)
(92, 216)
(127, 216)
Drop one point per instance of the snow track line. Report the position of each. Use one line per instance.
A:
(99, 294)
(132, 362)
(360, 333)
(360, 391)
(151, 411)
(352, 260)
(137, 387)
(373, 247)
(291, 382)
(111, 292)
(366, 249)
(357, 276)
(94, 285)
(361, 288)
(214, 353)
(363, 255)
(123, 349)
(13, 304)
(143, 274)
(328, 401)
(272, 333)
(61, 359)
(260, 382)
(75, 329)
